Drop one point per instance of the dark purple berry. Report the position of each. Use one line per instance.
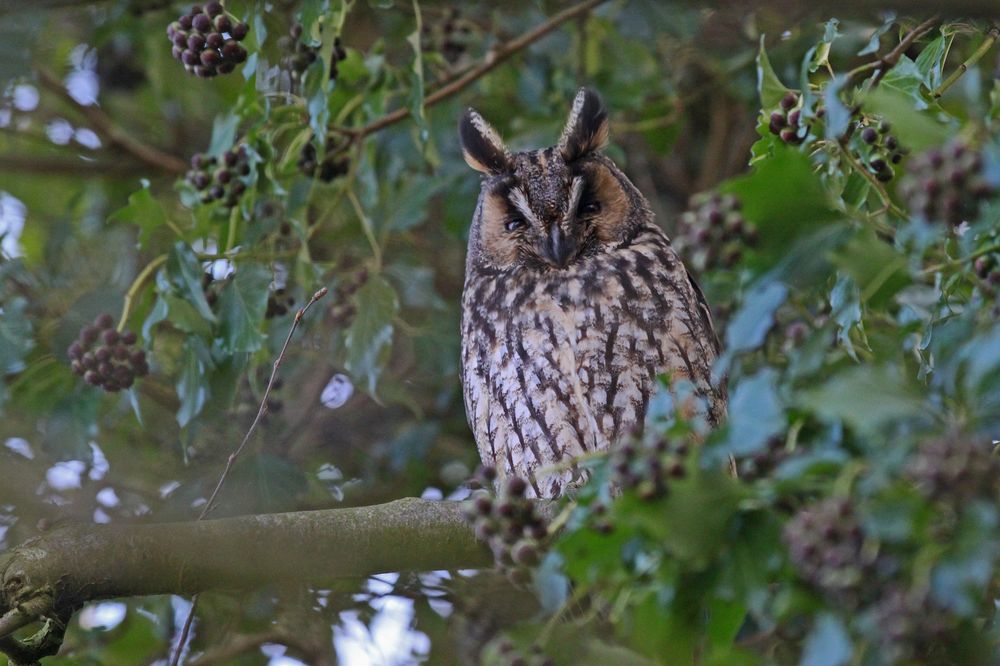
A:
(196, 42)
(240, 31)
(201, 23)
(184, 22)
(223, 24)
(213, 8)
(104, 321)
(789, 100)
(210, 58)
(869, 135)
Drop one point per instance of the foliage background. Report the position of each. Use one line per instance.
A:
(895, 337)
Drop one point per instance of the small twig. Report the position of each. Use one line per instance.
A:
(991, 37)
(490, 61)
(261, 411)
(879, 188)
(112, 133)
(884, 63)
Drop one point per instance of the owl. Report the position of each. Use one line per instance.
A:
(574, 305)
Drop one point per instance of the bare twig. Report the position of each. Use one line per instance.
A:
(261, 411)
(889, 60)
(490, 61)
(112, 133)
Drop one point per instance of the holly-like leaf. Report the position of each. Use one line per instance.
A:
(769, 86)
(370, 336)
(242, 304)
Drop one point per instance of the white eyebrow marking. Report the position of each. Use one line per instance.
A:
(575, 192)
(520, 201)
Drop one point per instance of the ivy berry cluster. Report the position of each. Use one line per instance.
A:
(647, 470)
(785, 120)
(987, 267)
(502, 652)
(509, 523)
(946, 184)
(298, 55)
(334, 164)
(883, 148)
(219, 179)
(106, 358)
(278, 303)
(207, 40)
(956, 469)
(713, 232)
(827, 547)
(342, 310)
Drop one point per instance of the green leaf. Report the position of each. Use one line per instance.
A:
(185, 275)
(223, 133)
(916, 130)
(845, 303)
(769, 86)
(756, 413)
(317, 94)
(370, 336)
(838, 116)
(930, 62)
(828, 643)
(784, 198)
(192, 389)
(865, 397)
(242, 304)
(417, 76)
(143, 211)
(821, 56)
(877, 269)
(15, 335)
(755, 318)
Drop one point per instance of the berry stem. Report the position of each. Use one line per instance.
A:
(991, 37)
(989, 249)
(136, 285)
(867, 175)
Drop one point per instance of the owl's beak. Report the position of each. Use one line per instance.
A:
(560, 247)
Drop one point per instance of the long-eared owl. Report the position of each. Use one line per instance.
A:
(574, 304)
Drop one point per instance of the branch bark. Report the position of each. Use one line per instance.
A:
(80, 563)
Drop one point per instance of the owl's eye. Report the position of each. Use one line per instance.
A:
(514, 223)
(588, 206)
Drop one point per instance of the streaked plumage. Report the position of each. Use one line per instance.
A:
(574, 303)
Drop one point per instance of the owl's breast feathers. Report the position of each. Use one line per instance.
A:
(562, 362)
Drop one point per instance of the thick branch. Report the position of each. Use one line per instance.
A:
(110, 132)
(85, 562)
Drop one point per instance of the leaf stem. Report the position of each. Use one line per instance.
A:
(958, 262)
(136, 285)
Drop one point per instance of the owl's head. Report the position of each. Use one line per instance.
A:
(545, 209)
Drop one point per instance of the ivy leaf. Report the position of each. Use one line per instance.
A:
(185, 275)
(143, 211)
(875, 41)
(873, 265)
(866, 397)
(192, 389)
(223, 133)
(370, 336)
(930, 62)
(769, 86)
(838, 116)
(821, 55)
(316, 92)
(242, 304)
(755, 413)
(755, 318)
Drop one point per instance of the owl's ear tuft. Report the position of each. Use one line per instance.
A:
(481, 145)
(587, 127)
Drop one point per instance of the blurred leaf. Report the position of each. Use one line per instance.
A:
(865, 397)
(370, 336)
(916, 130)
(417, 75)
(242, 304)
(784, 198)
(875, 40)
(845, 303)
(821, 55)
(828, 643)
(755, 414)
(15, 335)
(838, 116)
(930, 62)
(18, 32)
(223, 133)
(877, 269)
(755, 318)
(143, 211)
(191, 387)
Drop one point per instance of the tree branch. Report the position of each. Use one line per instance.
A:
(492, 59)
(109, 131)
(84, 562)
